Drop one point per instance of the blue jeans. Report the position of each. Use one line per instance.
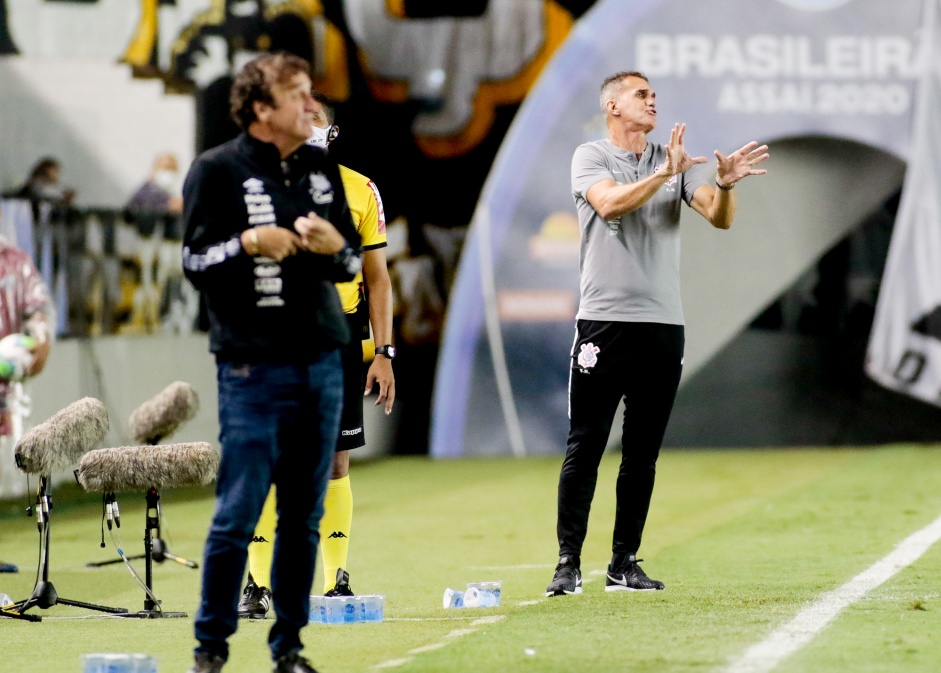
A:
(278, 425)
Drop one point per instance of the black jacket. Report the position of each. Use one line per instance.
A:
(260, 309)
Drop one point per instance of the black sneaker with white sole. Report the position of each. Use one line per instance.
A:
(567, 579)
(255, 601)
(630, 577)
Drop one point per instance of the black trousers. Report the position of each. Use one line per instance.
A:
(641, 363)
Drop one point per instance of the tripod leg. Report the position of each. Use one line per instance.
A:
(161, 552)
(180, 560)
(92, 606)
(44, 593)
(8, 611)
(99, 564)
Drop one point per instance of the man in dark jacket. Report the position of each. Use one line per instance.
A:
(267, 233)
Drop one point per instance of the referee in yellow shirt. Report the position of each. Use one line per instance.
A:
(368, 216)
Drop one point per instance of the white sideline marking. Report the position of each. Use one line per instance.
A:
(456, 633)
(423, 619)
(392, 663)
(427, 648)
(535, 602)
(787, 639)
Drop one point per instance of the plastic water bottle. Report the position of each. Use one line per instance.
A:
(317, 610)
(487, 594)
(114, 662)
(453, 598)
(351, 611)
(334, 607)
(5, 600)
(373, 607)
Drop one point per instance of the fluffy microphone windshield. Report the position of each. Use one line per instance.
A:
(161, 415)
(137, 468)
(61, 440)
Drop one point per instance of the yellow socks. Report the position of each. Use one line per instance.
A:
(334, 534)
(261, 550)
(335, 529)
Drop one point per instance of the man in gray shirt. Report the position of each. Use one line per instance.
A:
(629, 333)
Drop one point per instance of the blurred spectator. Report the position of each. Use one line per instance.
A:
(43, 184)
(155, 209)
(157, 198)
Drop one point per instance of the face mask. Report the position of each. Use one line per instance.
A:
(318, 136)
(165, 179)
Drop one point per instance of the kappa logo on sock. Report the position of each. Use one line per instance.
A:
(337, 534)
(259, 538)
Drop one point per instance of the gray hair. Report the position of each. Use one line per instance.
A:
(611, 86)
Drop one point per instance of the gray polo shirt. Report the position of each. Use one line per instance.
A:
(630, 267)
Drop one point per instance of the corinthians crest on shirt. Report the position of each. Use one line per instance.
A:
(670, 184)
(587, 356)
(321, 190)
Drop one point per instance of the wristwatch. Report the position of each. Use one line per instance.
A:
(388, 350)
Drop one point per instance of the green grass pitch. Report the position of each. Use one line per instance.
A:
(742, 539)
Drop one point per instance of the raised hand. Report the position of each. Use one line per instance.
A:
(678, 161)
(741, 163)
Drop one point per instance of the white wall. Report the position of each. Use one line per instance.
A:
(102, 124)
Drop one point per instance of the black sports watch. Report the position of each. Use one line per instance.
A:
(388, 350)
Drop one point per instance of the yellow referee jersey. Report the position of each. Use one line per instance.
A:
(370, 220)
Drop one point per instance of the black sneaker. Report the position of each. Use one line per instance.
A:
(207, 663)
(292, 663)
(630, 577)
(255, 602)
(8, 568)
(342, 587)
(567, 579)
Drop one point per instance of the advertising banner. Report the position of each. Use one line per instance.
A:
(733, 71)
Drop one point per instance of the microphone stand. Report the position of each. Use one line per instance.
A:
(159, 550)
(151, 607)
(44, 593)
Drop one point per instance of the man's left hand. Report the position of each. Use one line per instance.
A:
(319, 235)
(741, 163)
(380, 371)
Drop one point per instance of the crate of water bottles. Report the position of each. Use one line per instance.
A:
(347, 609)
(477, 595)
(118, 662)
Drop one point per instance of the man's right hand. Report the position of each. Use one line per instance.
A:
(273, 242)
(678, 161)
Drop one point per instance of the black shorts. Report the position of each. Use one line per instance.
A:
(352, 434)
